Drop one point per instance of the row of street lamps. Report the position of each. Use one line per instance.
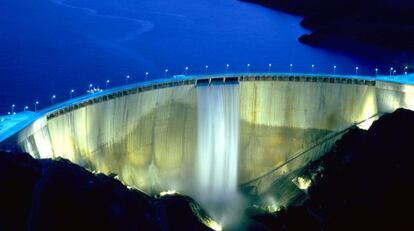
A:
(25, 108)
(392, 71)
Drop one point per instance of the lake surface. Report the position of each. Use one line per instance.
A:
(51, 46)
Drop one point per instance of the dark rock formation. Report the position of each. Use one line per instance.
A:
(365, 182)
(383, 23)
(59, 195)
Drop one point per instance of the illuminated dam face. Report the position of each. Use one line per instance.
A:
(205, 134)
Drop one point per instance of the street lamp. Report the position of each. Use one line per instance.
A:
(25, 108)
(406, 70)
(12, 108)
(166, 72)
(376, 71)
(270, 66)
(334, 69)
(356, 70)
(107, 83)
(290, 68)
(206, 68)
(146, 74)
(391, 70)
(90, 86)
(186, 70)
(126, 79)
(35, 105)
(227, 67)
(52, 99)
(313, 68)
(71, 93)
(248, 67)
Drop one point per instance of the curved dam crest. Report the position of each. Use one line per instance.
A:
(149, 134)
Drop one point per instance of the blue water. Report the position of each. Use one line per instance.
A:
(51, 46)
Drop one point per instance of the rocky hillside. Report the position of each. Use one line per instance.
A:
(59, 195)
(364, 183)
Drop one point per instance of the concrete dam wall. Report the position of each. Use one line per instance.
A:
(150, 135)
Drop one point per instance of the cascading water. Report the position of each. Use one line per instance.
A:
(218, 142)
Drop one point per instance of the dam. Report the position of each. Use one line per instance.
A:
(208, 134)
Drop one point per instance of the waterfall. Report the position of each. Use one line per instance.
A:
(218, 142)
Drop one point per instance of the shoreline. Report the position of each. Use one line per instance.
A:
(334, 25)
